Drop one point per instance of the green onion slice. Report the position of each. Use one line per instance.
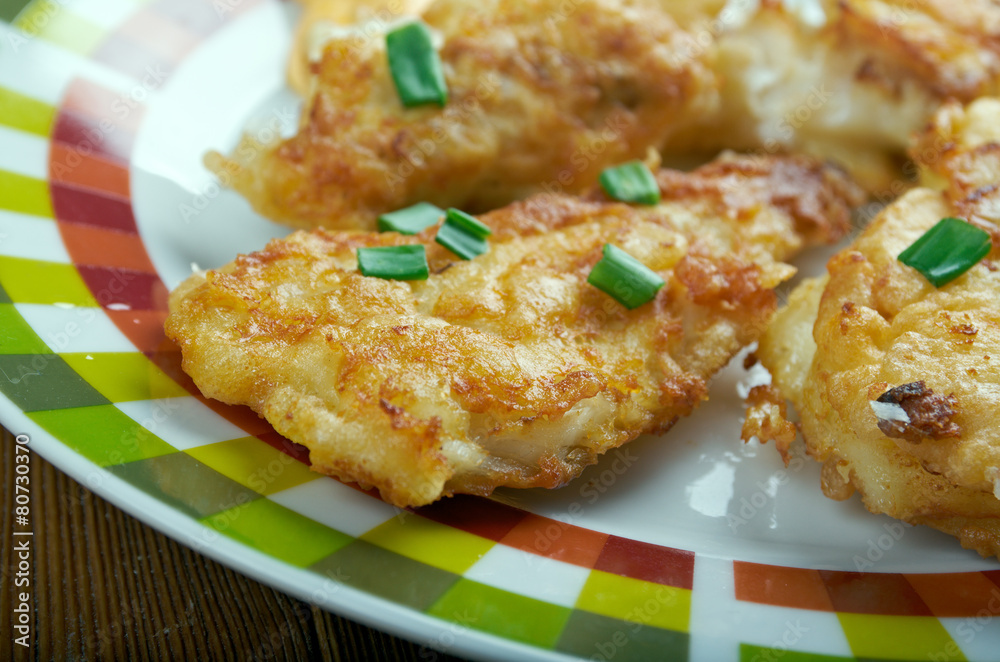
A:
(407, 262)
(463, 235)
(632, 182)
(947, 250)
(469, 223)
(625, 278)
(416, 66)
(410, 220)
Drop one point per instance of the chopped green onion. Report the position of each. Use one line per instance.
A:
(410, 220)
(947, 251)
(469, 223)
(625, 278)
(463, 235)
(632, 182)
(407, 262)
(415, 66)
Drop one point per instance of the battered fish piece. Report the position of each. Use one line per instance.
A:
(847, 80)
(543, 97)
(509, 369)
(876, 329)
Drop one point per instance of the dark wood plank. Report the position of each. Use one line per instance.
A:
(106, 586)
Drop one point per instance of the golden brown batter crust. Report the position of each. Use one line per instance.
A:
(508, 369)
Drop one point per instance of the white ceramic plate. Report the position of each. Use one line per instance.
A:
(692, 547)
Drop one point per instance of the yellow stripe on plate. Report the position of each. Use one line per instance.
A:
(25, 195)
(26, 114)
(47, 19)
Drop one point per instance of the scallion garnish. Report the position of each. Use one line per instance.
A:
(947, 251)
(469, 223)
(463, 235)
(632, 182)
(410, 220)
(625, 278)
(407, 262)
(415, 66)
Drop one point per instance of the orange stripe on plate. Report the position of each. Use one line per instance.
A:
(94, 246)
(957, 595)
(69, 166)
(557, 540)
(797, 588)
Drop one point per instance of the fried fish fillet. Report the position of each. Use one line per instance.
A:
(877, 329)
(543, 96)
(509, 369)
(846, 80)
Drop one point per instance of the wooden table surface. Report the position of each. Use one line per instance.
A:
(106, 586)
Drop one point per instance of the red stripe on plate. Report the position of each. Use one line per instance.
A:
(73, 205)
(873, 593)
(481, 517)
(102, 137)
(648, 562)
(125, 289)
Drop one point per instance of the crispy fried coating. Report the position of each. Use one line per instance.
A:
(847, 80)
(509, 369)
(876, 329)
(544, 95)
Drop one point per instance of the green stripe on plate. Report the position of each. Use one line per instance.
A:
(254, 464)
(636, 601)
(186, 485)
(899, 637)
(750, 653)
(16, 337)
(102, 434)
(505, 614)
(35, 281)
(25, 195)
(278, 532)
(383, 573)
(592, 636)
(50, 21)
(22, 112)
(9, 9)
(40, 382)
(124, 376)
